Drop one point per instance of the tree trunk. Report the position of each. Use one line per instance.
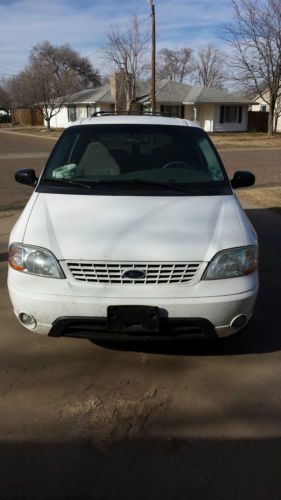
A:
(48, 120)
(129, 91)
(276, 116)
(271, 117)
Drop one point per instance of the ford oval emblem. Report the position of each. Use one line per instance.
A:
(133, 274)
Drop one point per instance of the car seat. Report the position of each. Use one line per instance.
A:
(97, 161)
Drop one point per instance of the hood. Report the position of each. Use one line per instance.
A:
(134, 228)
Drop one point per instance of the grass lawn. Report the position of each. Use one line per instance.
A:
(265, 197)
(40, 131)
(245, 140)
(221, 141)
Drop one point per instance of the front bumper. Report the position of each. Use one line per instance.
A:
(97, 329)
(58, 305)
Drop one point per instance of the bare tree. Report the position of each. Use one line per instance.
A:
(5, 101)
(209, 67)
(52, 75)
(174, 64)
(127, 53)
(255, 35)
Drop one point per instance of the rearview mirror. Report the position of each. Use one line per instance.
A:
(26, 176)
(242, 179)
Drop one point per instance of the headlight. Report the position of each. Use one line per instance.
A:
(34, 260)
(232, 263)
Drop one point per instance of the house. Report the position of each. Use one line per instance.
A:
(215, 110)
(262, 106)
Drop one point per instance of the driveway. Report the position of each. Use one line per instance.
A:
(185, 420)
(188, 420)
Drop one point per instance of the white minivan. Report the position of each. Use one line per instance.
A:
(133, 231)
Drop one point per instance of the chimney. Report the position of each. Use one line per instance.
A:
(118, 90)
(122, 90)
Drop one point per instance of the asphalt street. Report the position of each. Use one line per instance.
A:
(184, 420)
(25, 151)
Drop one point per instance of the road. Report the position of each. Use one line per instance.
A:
(264, 163)
(190, 420)
(21, 151)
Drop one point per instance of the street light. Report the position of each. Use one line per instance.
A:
(153, 56)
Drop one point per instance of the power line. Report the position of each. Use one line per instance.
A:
(100, 49)
(3, 63)
(6, 68)
(121, 35)
(7, 74)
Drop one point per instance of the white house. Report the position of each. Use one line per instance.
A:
(216, 111)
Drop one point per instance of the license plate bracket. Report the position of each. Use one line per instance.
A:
(133, 319)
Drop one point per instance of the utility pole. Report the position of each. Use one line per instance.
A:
(153, 56)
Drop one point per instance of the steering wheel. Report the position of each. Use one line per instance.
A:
(176, 163)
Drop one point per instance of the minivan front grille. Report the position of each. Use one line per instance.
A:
(139, 273)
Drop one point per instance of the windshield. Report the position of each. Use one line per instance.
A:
(135, 158)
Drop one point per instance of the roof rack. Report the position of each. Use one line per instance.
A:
(128, 113)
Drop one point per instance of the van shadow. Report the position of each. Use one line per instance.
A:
(145, 468)
(256, 338)
(262, 334)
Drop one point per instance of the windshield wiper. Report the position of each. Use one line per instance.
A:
(54, 180)
(144, 182)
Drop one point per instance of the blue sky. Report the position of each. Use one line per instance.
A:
(83, 24)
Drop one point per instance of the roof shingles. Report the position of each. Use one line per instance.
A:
(167, 91)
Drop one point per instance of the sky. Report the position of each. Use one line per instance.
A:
(84, 25)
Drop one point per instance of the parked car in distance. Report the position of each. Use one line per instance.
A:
(133, 231)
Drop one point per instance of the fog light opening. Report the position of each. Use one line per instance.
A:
(239, 321)
(27, 320)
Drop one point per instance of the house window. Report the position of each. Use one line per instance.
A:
(263, 108)
(231, 114)
(170, 110)
(71, 113)
(91, 109)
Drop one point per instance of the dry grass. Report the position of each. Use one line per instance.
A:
(40, 131)
(222, 141)
(246, 140)
(265, 197)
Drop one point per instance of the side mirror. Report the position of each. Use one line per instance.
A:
(26, 176)
(242, 179)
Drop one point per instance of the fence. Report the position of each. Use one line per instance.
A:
(257, 121)
(27, 117)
